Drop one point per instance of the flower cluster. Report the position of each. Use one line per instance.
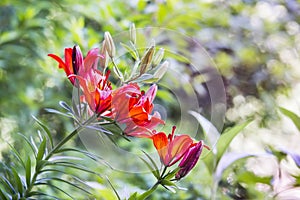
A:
(127, 104)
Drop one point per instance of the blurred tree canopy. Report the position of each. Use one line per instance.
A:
(254, 44)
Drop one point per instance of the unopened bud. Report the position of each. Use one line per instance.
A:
(160, 72)
(77, 59)
(158, 57)
(132, 33)
(110, 46)
(146, 60)
(104, 54)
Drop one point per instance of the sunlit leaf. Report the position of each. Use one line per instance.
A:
(250, 177)
(212, 158)
(133, 196)
(115, 191)
(295, 118)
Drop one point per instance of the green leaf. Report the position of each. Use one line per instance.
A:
(226, 138)
(41, 150)
(115, 191)
(50, 110)
(249, 177)
(46, 180)
(17, 155)
(133, 196)
(147, 193)
(151, 160)
(35, 193)
(3, 196)
(295, 118)
(45, 128)
(8, 185)
(131, 51)
(167, 182)
(171, 174)
(154, 172)
(28, 171)
(74, 166)
(212, 158)
(29, 143)
(18, 181)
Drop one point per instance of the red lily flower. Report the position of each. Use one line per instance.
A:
(190, 159)
(74, 63)
(133, 108)
(171, 148)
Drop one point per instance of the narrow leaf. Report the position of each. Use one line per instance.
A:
(45, 128)
(154, 172)
(29, 143)
(152, 161)
(65, 106)
(130, 50)
(8, 185)
(34, 193)
(50, 110)
(115, 191)
(133, 196)
(226, 138)
(17, 155)
(17, 180)
(295, 118)
(3, 196)
(28, 171)
(63, 181)
(41, 150)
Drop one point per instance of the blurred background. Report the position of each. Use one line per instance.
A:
(255, 46)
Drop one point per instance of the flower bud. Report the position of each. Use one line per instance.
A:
(161, 70)
(110, 46)
(77, 59)
(104, 54)
(146, 60)
(189, 159)
(132, 33)
(158, 57)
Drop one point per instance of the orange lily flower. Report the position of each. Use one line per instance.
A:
(133, 108)
(171, 148)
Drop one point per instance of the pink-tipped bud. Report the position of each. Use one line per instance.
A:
(189, 159)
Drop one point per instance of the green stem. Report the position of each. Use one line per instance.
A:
(163, 172)
(149, 192)
(54, 150)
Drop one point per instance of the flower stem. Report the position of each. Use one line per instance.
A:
(149, 192)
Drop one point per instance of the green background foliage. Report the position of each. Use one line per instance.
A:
(254, 44)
